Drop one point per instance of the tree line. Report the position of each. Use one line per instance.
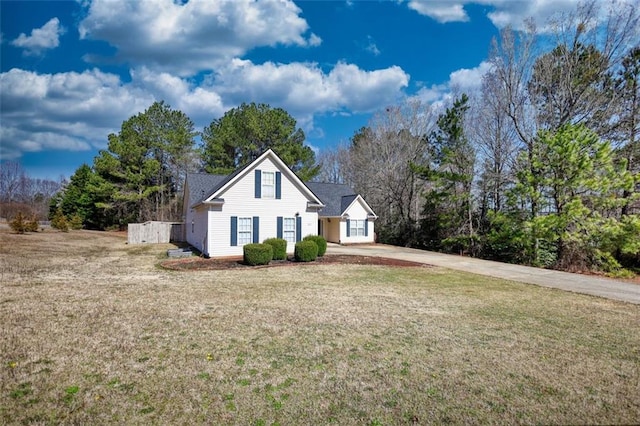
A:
(141, 174)
(541, 167)
(21, 193)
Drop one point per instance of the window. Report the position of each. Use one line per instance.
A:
(289, 229)
(268, 185)
(357, 228)
(244, 230)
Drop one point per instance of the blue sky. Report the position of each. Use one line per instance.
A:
(72, 72)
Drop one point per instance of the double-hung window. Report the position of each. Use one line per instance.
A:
(357, 228)
(244, 230)
(268, 185)
(289, 229)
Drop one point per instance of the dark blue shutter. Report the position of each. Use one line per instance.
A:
(279, 226)
(348, 227)
(234, 230)
(278, 185)
(366, 227)
(256, 229)
(258, 184)
(298, 228)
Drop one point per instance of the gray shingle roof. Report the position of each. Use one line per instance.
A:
(336, 197)
(202, 185)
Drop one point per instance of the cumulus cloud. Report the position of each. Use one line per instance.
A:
(65, 111)
(465, 80)
(441, 11)
(469, 79)
(303, 88)
(503, 13)
(185, 38)
(76, 111)
(41, 39)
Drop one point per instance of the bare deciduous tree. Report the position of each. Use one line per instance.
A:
(335, 165)
(496, 143)
(381, 159)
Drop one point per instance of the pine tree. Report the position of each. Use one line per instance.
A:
(244, 133)
(18, 223)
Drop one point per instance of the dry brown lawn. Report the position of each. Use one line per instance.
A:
(92, 331)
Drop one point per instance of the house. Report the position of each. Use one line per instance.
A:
(346, 217)
(265, 199)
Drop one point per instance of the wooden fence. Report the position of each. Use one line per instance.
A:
(155, 232)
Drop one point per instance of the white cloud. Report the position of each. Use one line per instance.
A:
(304, 89)
(41, 39)
(469, 80)
(372, 48)
(65, 111)
(464, 80)
(441, 11)
(201, 104)
(505, 12)
(76, 111)
(198, 35)
(314, 40)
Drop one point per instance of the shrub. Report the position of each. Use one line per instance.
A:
(257, 254)
(59, 221)
(76, 222)
(320, 242)
(306, 251)
(32, 224)
(279, 246)
(18, 223)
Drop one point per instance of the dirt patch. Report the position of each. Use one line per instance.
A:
(201, 264)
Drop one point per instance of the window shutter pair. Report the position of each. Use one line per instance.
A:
(258, 184)
(255, 230)
(366, 227)
(279, 226)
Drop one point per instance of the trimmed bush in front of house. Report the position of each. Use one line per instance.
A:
(279, 246)
(257, 254)
(306, 251)
(320, 242)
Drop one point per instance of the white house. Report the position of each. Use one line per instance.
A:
(265, 199)
(346, 217)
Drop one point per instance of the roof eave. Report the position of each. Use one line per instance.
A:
(213, 202)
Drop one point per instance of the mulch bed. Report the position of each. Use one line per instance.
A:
(202, 264)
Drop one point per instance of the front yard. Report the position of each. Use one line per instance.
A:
(93, 331)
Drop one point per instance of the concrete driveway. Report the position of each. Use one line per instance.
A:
(595, 286)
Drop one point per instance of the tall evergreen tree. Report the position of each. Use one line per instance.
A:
(244, 133)
(448, 218)
(577, 185)
(146, 162)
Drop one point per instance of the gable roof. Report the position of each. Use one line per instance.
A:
(210, 186)
(336, 197)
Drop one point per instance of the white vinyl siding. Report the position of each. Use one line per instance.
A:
(244, 230)
(289, 229)
(268, 185)
(240, 202)
(356, 229)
